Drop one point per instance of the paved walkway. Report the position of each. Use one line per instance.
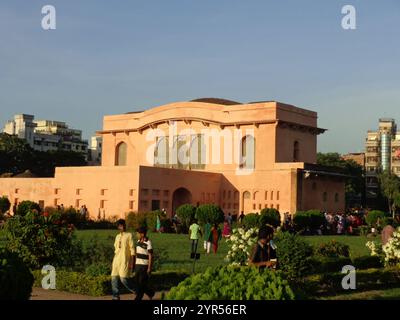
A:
(42, 294)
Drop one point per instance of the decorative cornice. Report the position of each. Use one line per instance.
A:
(222, 125)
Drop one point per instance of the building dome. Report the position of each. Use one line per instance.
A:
(216, 101)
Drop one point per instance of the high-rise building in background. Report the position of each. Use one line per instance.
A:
(382, 153)
(46, 135)
(96, 146)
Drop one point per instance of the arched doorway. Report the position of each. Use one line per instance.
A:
(180, 196)
(246, 202)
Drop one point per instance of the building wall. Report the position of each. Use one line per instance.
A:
(274, 182)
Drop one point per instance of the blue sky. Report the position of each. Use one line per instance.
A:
(109, 57)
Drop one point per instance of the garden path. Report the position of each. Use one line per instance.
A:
(42, 294)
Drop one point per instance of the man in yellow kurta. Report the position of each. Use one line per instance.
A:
(124, 258)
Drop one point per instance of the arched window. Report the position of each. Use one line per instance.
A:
(325, 196)
(247, 152)
(246, 195)
(121, 154)
(296, 151)
(314, 186)
(336, 197)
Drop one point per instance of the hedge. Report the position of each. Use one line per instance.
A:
(81, 283)
(370, 279)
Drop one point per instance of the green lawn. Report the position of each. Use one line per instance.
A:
(387, 294)
(175, 248)
(356, 243)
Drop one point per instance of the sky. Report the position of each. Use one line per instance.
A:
(110, 57)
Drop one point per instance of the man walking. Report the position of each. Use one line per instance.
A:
(194, 235)
(123, 260)
(143, 265)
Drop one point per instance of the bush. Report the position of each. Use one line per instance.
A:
(16, 280)
(100, 285)
(135, 220)
(27, 206)
(233, 283)
(370, 279)
(373, 216)
(251, 220)
(367, 262)
(39, 239)
(312, 220)
(4, 204)
(323, 264)
(186, 213)
(98, 269)
(270, 216)
(209, 213)
(333, 249)
(293, 254)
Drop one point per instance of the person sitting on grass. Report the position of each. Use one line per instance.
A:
(143, 264)
(124, 254)
(264, 253)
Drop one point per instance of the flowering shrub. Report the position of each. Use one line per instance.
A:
(392, 249)
(376, 249)
(390, 252)
(240, 244)
(39, 239)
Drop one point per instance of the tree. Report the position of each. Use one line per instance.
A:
(390, 185)
(355, 183)
(4, 205)
(16, 156)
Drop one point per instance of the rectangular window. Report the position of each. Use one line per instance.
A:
(223, 194)
(77, 203)
(131, 203)
(56, 191)
(56, 202)
(277, 195)
(16, 191)
(259, 206)
(145, 192)
(78, 192)
(131, 192)
(272, 195)
(155, 205)
(254, 206)
(102, 204)
(229, 194)
(144, 204)
(277, 207)
(156, 193)
(166, 193)
(103, 192)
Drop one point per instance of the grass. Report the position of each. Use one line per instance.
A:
(387, 294)
(356, 243)
(176, 256)
(176, 248)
